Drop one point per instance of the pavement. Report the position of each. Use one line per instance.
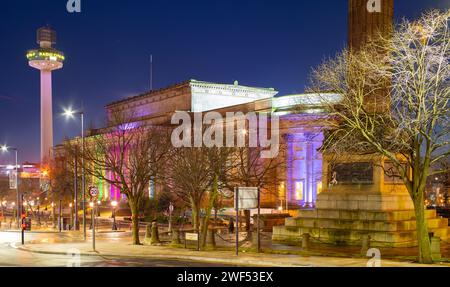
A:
(120, 248)
(12, 256)
(49, 247)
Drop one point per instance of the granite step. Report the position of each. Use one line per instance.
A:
(361, 214)
(365, 225)
(293, 235)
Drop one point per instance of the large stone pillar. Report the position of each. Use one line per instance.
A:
(366, 18)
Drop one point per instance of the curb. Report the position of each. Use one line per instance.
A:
(235, 261)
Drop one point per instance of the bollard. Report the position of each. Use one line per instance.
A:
(365, 244)
(305, 241)
(175, 237)
(148, 235)
(155, 234)
(211, 238)
(436, 248)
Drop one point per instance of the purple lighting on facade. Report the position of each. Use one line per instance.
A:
(304, 170)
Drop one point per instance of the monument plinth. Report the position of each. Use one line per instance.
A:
(359, 200)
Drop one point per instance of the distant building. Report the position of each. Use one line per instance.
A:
(29, 175)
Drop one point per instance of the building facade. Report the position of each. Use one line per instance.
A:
(296, 182)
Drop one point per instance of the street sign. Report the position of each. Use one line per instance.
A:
(93, 191)
(191, 237)
(12, 179)
(248, 198)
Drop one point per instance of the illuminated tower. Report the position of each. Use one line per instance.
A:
(46, 59)
(366, 18)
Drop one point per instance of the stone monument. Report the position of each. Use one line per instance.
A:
(358, 199)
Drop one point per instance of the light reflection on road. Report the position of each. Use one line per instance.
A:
(13, 257)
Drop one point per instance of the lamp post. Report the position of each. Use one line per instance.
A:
(53, 214)
(13, 206)
(31, 203)
(39, 211)
(171, 208)
(6, 149)
(114, 205)
(92, 205)
(23, 216)
(71, 213)
(60, 221)
(70, 114)
(4, 203)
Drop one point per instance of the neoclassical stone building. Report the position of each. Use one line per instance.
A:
(298, 181)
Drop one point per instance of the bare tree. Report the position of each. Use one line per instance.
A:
(250, 169)
(128, 155)
(61, 176)
(395, 102)
(196, 175)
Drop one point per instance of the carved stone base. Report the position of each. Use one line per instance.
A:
(346, 218)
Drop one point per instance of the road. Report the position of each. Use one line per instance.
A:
(10, 256)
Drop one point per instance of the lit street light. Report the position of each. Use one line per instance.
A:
(69, 113)
(6, 149)
(114, 205)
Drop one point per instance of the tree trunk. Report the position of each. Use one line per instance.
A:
(212, 198)
(135, 222)
(247, 215)
(422, 230)
(195, 216)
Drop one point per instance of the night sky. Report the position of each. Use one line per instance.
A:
(108, 46)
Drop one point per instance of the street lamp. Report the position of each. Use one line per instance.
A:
(171, 208)
(13, 207)
(4, 203)
(53, 214)
(38, 212)
(92, 205)
(71, 213)
(114, 205)
(69, 113)
(6, 149)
